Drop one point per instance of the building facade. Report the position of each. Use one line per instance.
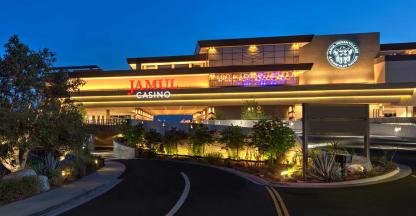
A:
(272, 75)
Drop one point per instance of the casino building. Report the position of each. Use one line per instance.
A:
(277, 73)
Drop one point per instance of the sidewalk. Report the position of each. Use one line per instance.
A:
(69, 196)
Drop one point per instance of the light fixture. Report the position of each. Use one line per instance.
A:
(253, 48)
(212, 50)
(295, 46)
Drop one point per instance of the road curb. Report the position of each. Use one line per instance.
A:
(78, 200)
(400, 172)
(82, 198)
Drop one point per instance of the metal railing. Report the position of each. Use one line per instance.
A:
(106, 122)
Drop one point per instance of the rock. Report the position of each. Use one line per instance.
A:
(354, 169)
(20, 174)
(43, 183)
(363, 161)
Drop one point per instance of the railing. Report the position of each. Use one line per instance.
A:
(106, 122)
(393, 120)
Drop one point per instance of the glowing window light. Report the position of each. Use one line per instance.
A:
(253, 48)
(212, 51)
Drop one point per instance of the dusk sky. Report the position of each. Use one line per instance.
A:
(105, 33)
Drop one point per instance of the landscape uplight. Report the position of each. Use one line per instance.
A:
(284, 173)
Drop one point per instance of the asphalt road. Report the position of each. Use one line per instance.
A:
(153, 187)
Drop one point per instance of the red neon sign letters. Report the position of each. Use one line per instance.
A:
(151, 89)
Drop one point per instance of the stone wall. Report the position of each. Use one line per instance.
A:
(123, 152)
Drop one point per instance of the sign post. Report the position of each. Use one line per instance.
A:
(334, 120)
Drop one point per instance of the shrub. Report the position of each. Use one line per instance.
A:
(324, 167)
(80, 165)
(273, 138)
(234, 138)
(3, 171)
(145, 153)
(171, 140)
(12, 190)
(213, 158)
(55, 178)
(199, 135)
(151, 138)
(45, 165)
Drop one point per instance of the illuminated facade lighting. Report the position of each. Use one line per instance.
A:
(279, 73)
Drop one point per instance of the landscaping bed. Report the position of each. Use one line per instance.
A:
(271, 152)
(44, 174)
(274, 173)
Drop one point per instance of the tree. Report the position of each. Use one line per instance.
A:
(151, 138)
(199, 135)
(273, 138)
(133, 134)
(233, 137)
(23, 86)
(35, 105)
(171, 140)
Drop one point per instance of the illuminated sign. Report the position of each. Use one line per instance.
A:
(151, 89)
(253, 79)
(153, 94)
(342, 54)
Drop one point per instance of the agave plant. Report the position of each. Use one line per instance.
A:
(46, 165)
(51, 162)
(324, 167)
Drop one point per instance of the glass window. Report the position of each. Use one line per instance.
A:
(164, 66)
(268, 48)
(227, 50)
(268, 54)
(279, 60)
(181, 65)
(268, 60)
(227, 56)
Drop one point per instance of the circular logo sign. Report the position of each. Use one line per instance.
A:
(342, 53)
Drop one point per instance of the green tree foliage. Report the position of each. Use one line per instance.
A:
(273, 138)
(152, 138)
(171, 140)
(234, 138)
(199, 135)
(252, 111)
(133, 134)
(35, 107)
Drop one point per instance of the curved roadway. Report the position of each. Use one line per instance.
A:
(152, 187)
